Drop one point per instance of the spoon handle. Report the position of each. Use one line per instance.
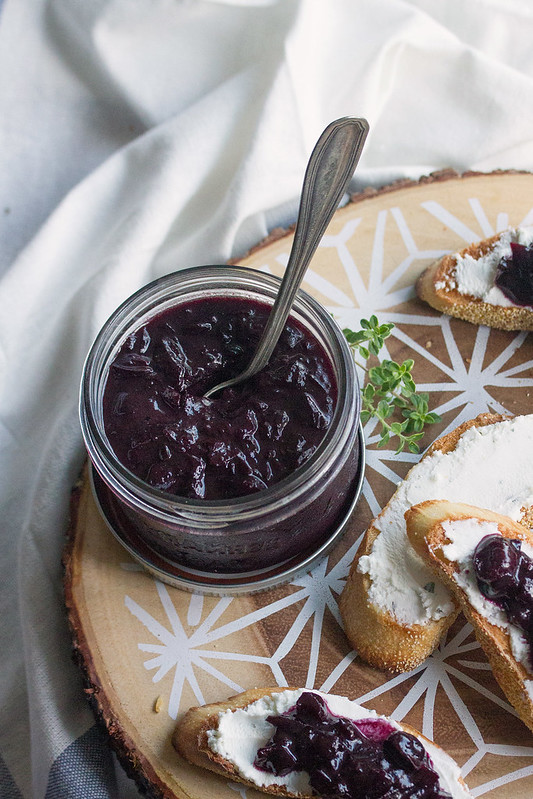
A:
(330, 168)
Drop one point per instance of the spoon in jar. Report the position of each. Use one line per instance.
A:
(330, 169)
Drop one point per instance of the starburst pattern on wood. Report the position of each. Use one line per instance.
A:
(299, 638)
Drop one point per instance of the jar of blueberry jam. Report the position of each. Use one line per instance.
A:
(256, 474)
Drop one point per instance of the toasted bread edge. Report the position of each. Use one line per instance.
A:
(426, 533)
(468, 308)
(378, 638)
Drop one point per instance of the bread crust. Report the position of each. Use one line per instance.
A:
(377, 636)
(190, 738)
(463, 306)
(426, 533)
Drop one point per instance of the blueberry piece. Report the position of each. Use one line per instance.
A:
(312, 706)
(326, 747)
(161, 476)
(171, 397)
(496, 560)
(405, 750)
(514, 275)
(276, 759)
(164, 452)
(347, 731)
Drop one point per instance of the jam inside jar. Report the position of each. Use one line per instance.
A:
(238, 442)
(235, 483)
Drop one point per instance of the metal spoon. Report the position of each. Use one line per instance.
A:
(330, 168)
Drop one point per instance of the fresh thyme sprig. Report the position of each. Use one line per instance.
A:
(390, 389)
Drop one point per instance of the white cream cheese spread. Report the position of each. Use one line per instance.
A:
(475, 276)
(464, 536)
(240, 733)
(491, 467)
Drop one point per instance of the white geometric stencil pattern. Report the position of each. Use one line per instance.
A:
(203, 642)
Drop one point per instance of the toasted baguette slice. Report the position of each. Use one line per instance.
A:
(438, 287)
(429, 527)
(381, 637)
(191, 738)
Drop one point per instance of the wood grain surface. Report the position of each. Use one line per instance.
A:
(148, 651)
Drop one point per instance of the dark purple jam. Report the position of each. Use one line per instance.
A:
(505, 576)
(345, 759)
(238, 442)
(514, 276)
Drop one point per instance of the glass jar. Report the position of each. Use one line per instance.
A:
(289, 519)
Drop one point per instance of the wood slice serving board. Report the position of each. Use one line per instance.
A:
(149, 651)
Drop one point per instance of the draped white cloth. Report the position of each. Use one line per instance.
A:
(142, 136)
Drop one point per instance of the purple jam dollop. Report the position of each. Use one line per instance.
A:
(505, 576)
(514, 276)
(367, 759)
(242, 440)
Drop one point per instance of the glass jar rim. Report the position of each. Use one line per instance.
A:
(227, 281)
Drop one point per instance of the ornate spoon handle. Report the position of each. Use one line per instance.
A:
(330, 168)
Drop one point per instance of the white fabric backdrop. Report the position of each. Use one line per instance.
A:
(143, 136)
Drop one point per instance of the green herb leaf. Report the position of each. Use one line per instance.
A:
(390, 389)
